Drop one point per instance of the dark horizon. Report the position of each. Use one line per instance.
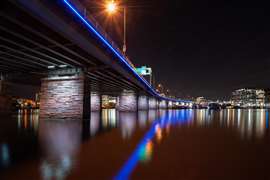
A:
(197, 48)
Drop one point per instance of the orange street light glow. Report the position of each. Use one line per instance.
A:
(111, 7)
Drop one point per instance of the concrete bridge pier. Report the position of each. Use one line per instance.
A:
(96, 101)
(169, 104)
(65, 95)
(1, 86)
(152, 103)
(127, 101)
(5, 100)
(162, 104)
(143, 103)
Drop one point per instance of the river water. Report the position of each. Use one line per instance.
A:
(174, 144)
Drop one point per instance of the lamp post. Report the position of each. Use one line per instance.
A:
(111, 8)
(125, 26)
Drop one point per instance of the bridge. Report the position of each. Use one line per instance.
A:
(66, 52)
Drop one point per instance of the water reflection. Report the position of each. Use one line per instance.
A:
(94, 122)
(109, 118)
(247, 122)
(127, 123)
(142, 119)
(4, 155)
(145, 148)
(60, 142)
(100, 121)
(28, 119)
(152, 115)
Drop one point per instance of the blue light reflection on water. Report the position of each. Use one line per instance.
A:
(267, 120)
(170, 118)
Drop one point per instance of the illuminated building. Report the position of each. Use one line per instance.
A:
(267, 97)
(108, 102)
(201, 101)
(249, 97)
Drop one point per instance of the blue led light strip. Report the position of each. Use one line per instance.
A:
(121, 58)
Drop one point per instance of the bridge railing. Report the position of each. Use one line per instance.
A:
(87, 15)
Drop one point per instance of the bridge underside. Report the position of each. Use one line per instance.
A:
(30, 46)
(45, 45)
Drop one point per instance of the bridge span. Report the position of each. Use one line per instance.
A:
(72, 59)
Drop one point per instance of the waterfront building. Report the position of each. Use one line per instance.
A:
(201, 102)
(267, 97)
(249, 97)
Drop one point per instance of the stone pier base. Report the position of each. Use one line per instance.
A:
(95, 101)
(152, 103)
(162, 104)
(169, 104)
(2, 86)
(66, 97)
(5, 101)
(127, 101)
(5, 104)
(143, 102)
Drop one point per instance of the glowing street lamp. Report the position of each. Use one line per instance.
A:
(111, 8)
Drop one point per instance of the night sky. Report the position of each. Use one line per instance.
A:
(198, 47)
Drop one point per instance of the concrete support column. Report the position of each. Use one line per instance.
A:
(5, 104)
(143, 103)
(175, 105)
(152, 103)
(65, 97)
(127, 101)
(5, 100)
(1, 83)
(170, 105)
(1, 86)
(95, 101)
(162, 104)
